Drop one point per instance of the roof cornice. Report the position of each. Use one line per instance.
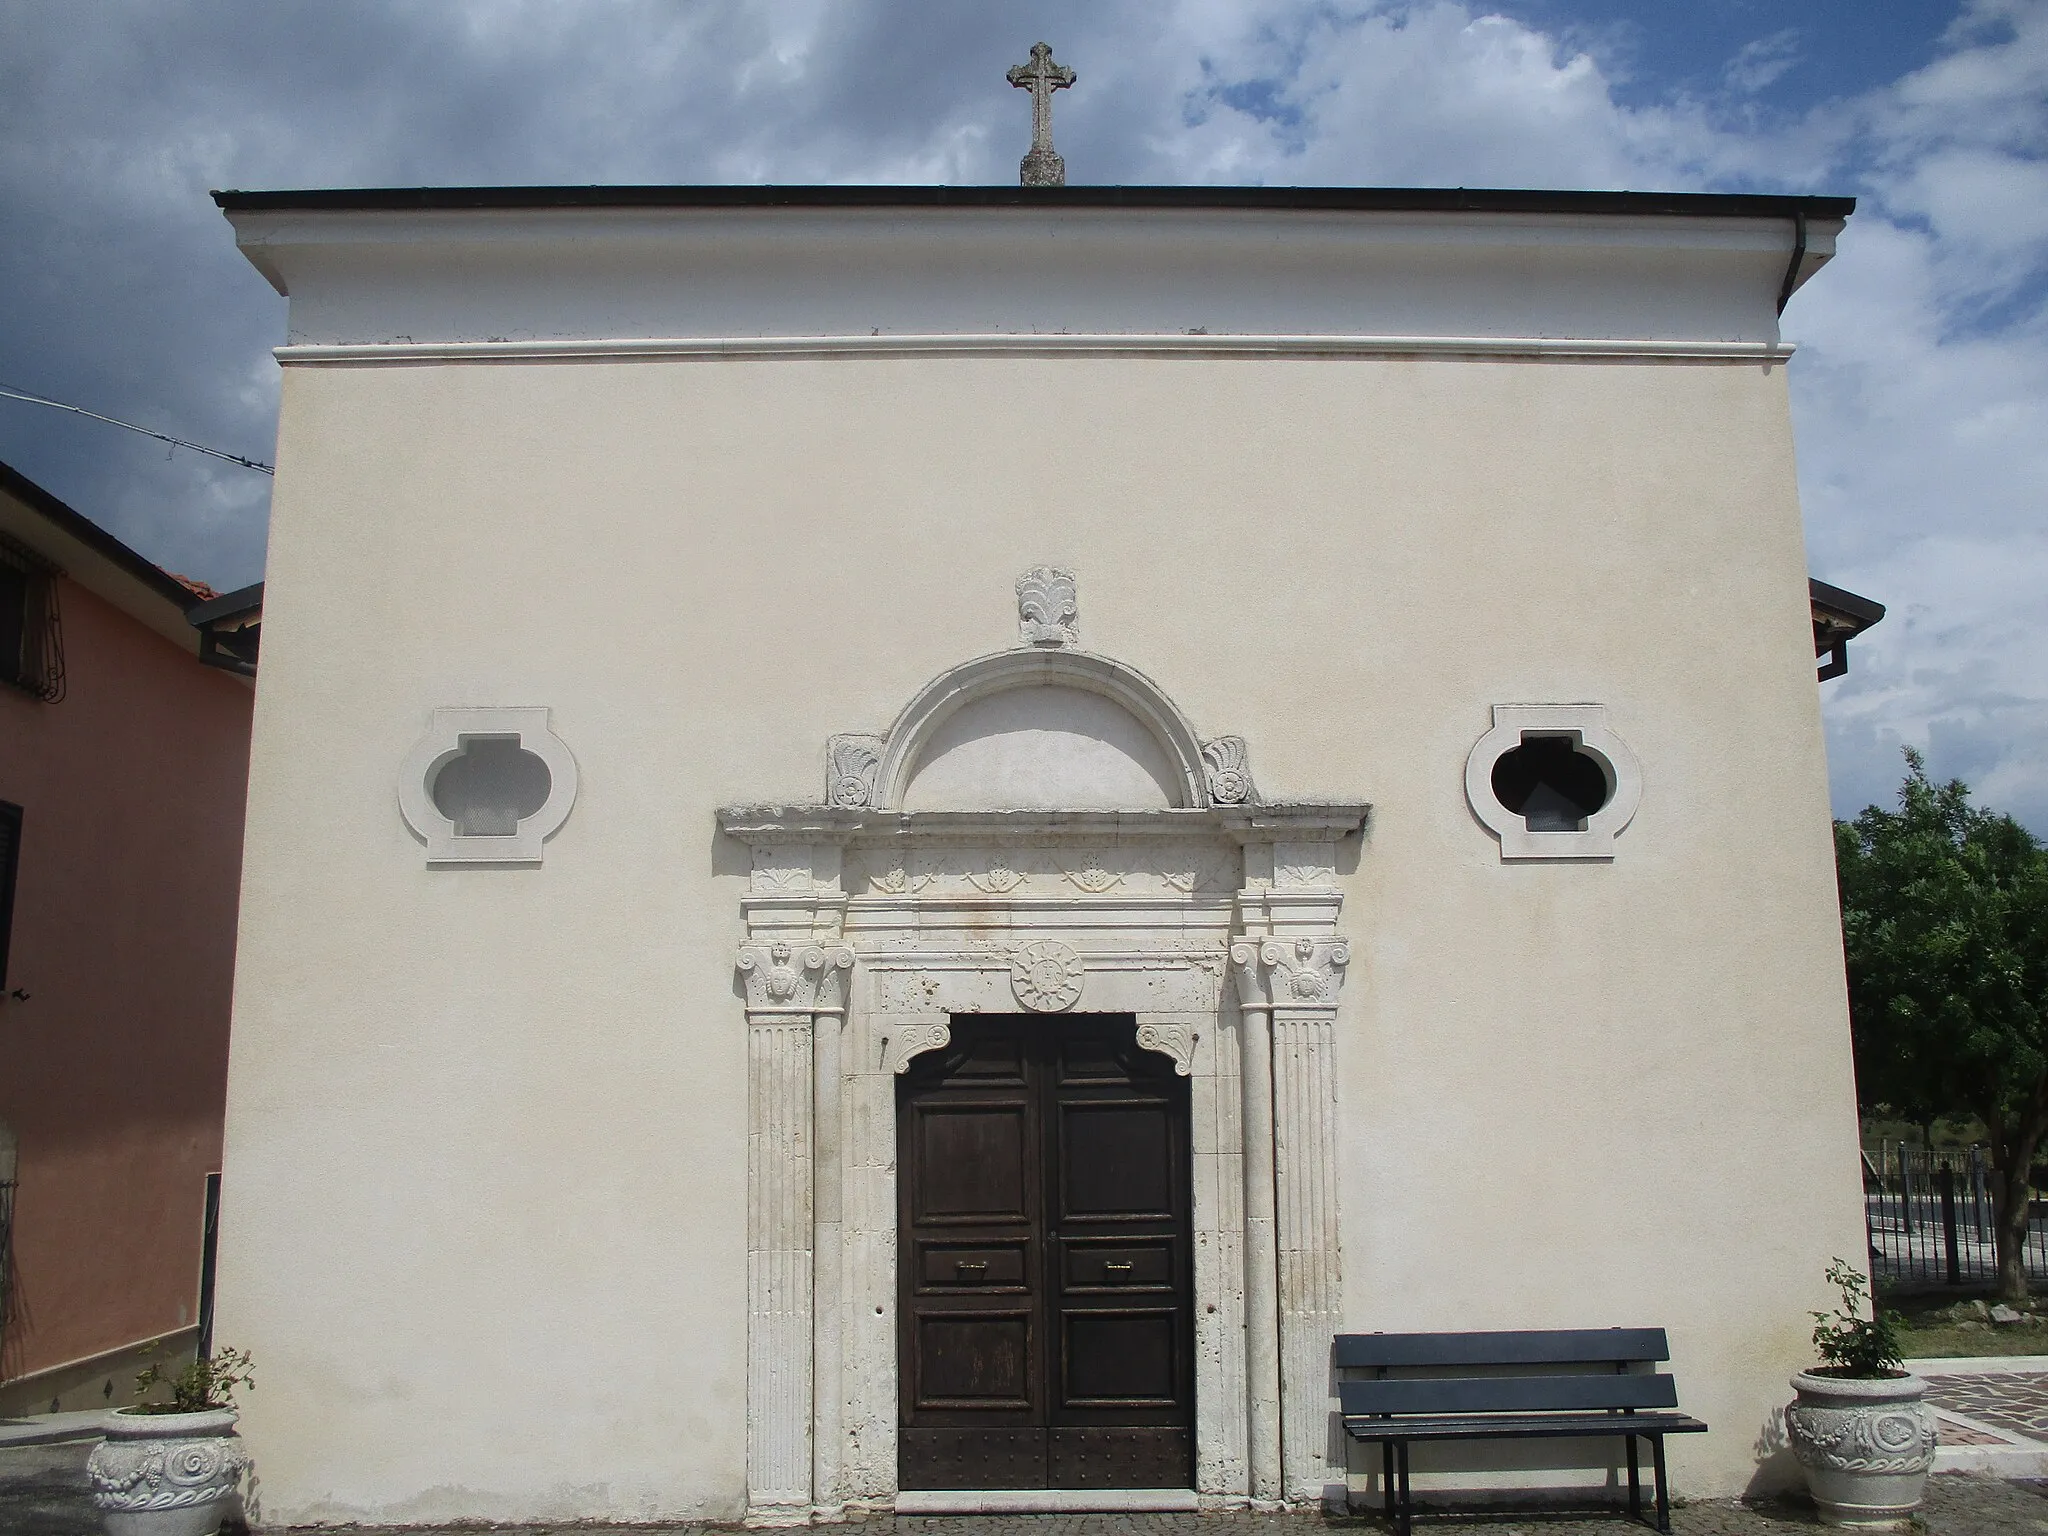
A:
(1698, 205)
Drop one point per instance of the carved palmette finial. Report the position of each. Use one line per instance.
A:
(851, 768)
(1229, 770)
(1048, 606)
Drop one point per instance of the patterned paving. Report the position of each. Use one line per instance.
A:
(2018, 1403)
(42, 1493)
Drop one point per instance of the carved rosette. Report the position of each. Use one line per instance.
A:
(1289, 973)
(1046, 976)
(782, 977)
(1048, 607)
(852, 763)
(1229, 771)
(179, 1461)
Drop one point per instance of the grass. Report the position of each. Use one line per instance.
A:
(1943, 1325)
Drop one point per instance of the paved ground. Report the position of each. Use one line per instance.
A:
(42, 1493)
(2017, 1402)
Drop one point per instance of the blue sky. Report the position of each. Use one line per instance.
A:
(1920, 392)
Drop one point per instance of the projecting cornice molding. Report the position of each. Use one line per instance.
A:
(1202, 344)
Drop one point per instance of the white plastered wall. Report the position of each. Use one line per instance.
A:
(484, 1211)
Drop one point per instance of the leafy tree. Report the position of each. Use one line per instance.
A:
(1945, 919)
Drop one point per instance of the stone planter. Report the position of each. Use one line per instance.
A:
(1865, 1444)
(166, 1474)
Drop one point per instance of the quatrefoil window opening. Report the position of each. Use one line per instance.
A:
(1553, 782)
(490, 786)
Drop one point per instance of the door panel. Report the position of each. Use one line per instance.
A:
(1046, 1268)
(974, 1360)
(973, 1159)
(1119, 1161)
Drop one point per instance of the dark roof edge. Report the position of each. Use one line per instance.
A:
(1860, 611)
(229, 605)
(1725, 205)
(97, 539)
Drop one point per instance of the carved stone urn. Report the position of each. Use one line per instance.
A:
(166, 1474)
(1866, 1444)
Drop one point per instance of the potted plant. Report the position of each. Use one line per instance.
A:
(1859, 1427)
(170, 1468)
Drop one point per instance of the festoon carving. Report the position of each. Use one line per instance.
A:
(1290, 973)
(1229, 770)
(1897, 1438)
(1048, 606)
(787, 978)
(851, 765)
(178, 1471)
(1046, 975)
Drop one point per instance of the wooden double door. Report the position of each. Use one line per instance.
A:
(1046, 1274)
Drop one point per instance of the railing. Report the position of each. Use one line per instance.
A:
(1931, 1216)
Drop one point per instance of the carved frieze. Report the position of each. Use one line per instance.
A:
(781, 977)
(1048, 607)
(1102, 869)
(1090, 869)
(995, 877)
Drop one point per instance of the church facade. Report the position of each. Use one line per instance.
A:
(903, 841)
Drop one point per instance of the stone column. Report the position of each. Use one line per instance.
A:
(783, 982)
(794, 971)
(1261, 1251)
(1290, 962)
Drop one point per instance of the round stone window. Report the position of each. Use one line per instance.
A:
(1551, 781)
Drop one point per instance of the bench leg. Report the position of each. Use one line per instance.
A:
(1663, 1494)
(1635, 1481)
(1387, 1478)
(1407, 1497)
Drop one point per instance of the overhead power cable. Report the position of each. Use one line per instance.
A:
(115, 421)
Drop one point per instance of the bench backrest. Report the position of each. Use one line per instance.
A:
(1507, 1394)
(1557, 1346)
(1529, 1392)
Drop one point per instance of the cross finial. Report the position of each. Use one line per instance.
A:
(1041, 77)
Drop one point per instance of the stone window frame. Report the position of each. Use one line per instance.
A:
(1585, 725)
(447, 737)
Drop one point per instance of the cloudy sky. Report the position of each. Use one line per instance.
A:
(1920, 390)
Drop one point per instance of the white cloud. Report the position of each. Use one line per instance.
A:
(1762, 62)
(1919, 393)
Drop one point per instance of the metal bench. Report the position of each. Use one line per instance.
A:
(1545, 1391)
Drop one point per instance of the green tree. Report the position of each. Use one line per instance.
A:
(1945, 920)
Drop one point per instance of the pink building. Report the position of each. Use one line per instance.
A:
(124, 741)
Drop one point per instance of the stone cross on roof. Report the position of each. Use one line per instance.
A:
(1041, 77)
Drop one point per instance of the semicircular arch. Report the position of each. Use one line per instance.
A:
(985, 677)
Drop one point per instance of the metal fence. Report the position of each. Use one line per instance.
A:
(1931, 1217)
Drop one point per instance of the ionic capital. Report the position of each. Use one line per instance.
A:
(1305, 972)
(783, 978)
